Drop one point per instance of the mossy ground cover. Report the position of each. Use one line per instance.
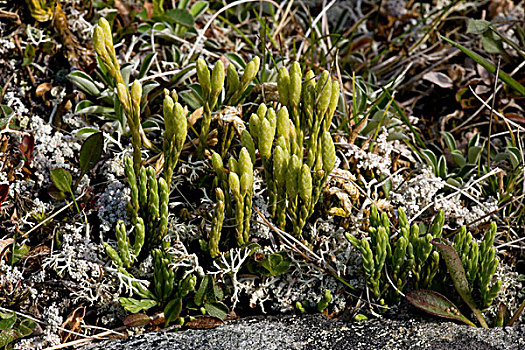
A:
(179, 164)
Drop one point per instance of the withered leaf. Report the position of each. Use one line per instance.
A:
(72, 323)
(137, 320)
(204, 322)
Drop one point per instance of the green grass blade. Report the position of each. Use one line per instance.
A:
(488, 66)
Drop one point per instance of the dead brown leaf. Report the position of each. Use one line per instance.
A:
(123, 9)
(137, 320)
(4, 192)
(194, 117)
(233, 115)
(72, 323)
(497, 7)
(440, 79)
(42, 89)
(148, 6)
(33, 260)
(4, 243)
(515, 117)
(204, 322)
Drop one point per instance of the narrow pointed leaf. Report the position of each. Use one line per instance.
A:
(84, 82)
(503, 315)
(488, 66)
(146, 65)
(198, 8)
(517, 314)
(449, 140)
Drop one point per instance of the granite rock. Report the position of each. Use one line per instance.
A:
(318, 332)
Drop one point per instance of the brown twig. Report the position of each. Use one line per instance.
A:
(4, 89)
(10, 15)
(29, 71)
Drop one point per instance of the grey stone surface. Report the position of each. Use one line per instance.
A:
(318, 332)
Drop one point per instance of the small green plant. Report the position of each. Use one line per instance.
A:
(479, 262)
(176, 126)
(149, 215)
(171, 288)
(208, 298)
(465, 165)
(13, 327)
(240, 185)
(41, 10)
(321, 306)
(325, 300)
(216, 225)
(211, 87)
(476, 160)
(172, 22)
(300, 127)
(274, 264)
(471, 268)
(148, 207)
(409, 257)
(90, 154)
(117, 102)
